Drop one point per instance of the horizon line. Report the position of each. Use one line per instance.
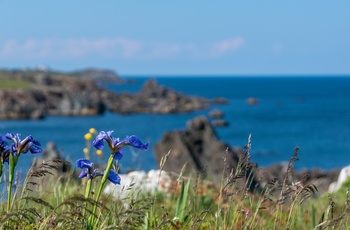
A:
(227, 75)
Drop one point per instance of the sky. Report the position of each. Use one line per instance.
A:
(160, 38)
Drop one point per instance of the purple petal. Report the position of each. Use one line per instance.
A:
(36, 142)
(111, 140)
(35, 149)
(118, 155)
(27, 140)
(13, 137)
(98, 142)
(5, 150)
(114, 144)
(83, 173)
(3, 142)
(25, 145)
(114, 177)
(84, 163)
(136, 142)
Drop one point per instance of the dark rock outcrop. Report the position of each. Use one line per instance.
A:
(252, 101)
(153, 98)
(199, 148)
(216, 114)
(219, 123)
(320, 178)
(51, 96)
(219, 101)
(52, 93)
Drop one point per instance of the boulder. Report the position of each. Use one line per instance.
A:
(216, 114)
(220, 123)
(276, 172)
(219, 101)
(199, 148)
(153, 98)
(252, 101)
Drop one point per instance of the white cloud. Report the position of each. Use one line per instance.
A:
(226, 46)
(69, 48)
(114, 48)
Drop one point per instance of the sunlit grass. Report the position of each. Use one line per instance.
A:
(190, 202)
(14, 84)
(60, 206)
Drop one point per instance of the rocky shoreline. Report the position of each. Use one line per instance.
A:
(81, 94)
(199, 148)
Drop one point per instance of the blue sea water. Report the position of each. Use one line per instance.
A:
(310, 112)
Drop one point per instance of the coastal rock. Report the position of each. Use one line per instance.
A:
(219, 101)
(252, 101)
(276, 172)
(199, 148)
(49, 94)
(18, 104)
(153, 98)
(53, 93)
(216, 114)
(220, 123)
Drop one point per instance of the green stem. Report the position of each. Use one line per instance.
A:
(12, 165)
(103, 181)
(87, 193)
(1, 166)
(88, 188)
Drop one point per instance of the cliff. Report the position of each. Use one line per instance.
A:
(35, 94)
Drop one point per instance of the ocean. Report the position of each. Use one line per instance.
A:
(312, 113)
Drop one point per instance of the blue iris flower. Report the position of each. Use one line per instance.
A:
(115, 144)
(5, 150)
(23, 146)
(89, 172)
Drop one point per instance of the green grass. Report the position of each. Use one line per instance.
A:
(61, 208)
(6, 83)
(191, 203)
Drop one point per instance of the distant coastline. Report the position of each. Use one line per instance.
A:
(34, 94)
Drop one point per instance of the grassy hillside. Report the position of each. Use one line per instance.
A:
(7, 83)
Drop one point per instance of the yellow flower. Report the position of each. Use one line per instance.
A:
(98, 152)
(86, 150)
(92, 130)
(88, 136)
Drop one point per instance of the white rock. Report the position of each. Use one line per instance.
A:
(344, 175)
(154, 180)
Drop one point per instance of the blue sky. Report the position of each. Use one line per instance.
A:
(178, 37)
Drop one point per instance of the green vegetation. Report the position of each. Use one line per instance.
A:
(205, 208)
(191, 203)
(13, 84)
(47, 199)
